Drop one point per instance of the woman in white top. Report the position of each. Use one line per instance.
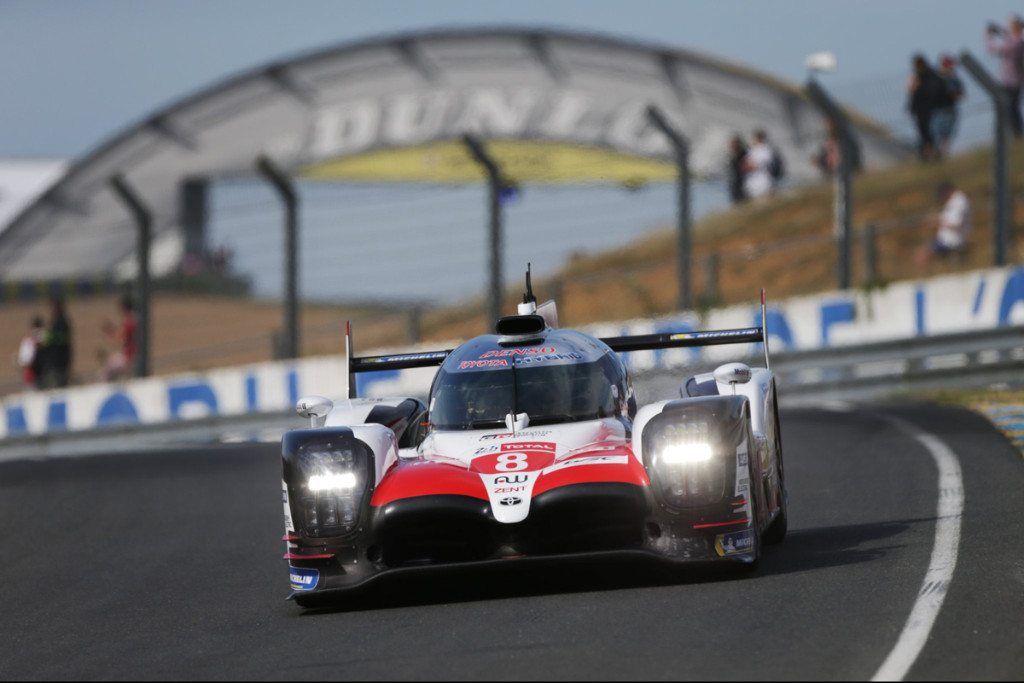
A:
(952, 225)
(758, 165)
(28, 351)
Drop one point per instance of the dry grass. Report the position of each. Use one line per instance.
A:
(640, 279)
(194, 333)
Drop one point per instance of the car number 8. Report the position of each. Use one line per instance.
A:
(512, 462)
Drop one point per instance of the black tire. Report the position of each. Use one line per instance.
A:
(750, 567)
(776, 531)
(310, 601)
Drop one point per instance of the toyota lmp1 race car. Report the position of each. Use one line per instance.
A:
(532, 446)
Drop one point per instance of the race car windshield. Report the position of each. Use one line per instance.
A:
(548, 394)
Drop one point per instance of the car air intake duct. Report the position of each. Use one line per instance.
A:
(521, 328)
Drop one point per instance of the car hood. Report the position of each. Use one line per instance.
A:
(561, 439)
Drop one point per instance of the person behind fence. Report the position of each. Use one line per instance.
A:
(29, 355)
(762, 167)
(924, 94)
(120, 363)
(829, 154)
(952, 225)
(944, 118)
(56, 361)
(737, 153)
(1008, 45)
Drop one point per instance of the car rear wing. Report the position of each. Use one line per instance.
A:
(625, 344)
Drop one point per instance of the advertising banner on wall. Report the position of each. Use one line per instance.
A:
(954, 303)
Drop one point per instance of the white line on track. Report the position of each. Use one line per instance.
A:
(943, 560)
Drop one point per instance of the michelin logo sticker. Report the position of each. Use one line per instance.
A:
(303, 579)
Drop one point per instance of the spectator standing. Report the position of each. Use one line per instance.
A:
(1008, 45)
(737, 153)
(924, 93)
(829, 154)
(757, 167)
(125, 335)
(944, 117)
(57, 347)
(952, 225)
(29, 355)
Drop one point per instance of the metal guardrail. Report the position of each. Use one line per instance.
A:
(960, 360)
(152, 437)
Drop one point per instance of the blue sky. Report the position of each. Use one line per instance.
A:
(76, 71)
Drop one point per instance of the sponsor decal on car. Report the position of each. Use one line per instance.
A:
(303, 579)
(492, 363)
(429, 355)
(589, 460)
(511, 479)
(511, 500)
(742, 470)
(507, 353)
(289, 527)
(529, 446)
(502, 490)
(735, 543)
(527, 360)
(531, 434)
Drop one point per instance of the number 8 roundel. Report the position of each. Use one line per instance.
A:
(516, 457)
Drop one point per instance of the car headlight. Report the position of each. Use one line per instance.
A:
(331, 481)
(685, 460)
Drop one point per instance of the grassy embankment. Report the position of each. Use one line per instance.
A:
(783, 244)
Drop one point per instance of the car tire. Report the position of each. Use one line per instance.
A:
(310, 601)
(776, 531)
(750, 567)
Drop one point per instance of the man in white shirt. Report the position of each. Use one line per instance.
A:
(758, 166)
(953, 225)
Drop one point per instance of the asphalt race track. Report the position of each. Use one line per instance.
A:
(167, 565)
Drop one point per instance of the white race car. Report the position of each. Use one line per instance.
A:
(533, 448)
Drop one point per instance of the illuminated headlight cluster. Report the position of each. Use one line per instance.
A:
(332, 492)
(686, 464)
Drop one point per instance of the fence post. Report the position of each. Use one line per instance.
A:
(684, 243)
(494, 184)
(414, 324)
(1000, 169)
(870, 236)
(712, 266)
(144, 235)
(849, 163)
(289, 197)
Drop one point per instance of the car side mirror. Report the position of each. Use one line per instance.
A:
(732, 373)
(316, 408)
